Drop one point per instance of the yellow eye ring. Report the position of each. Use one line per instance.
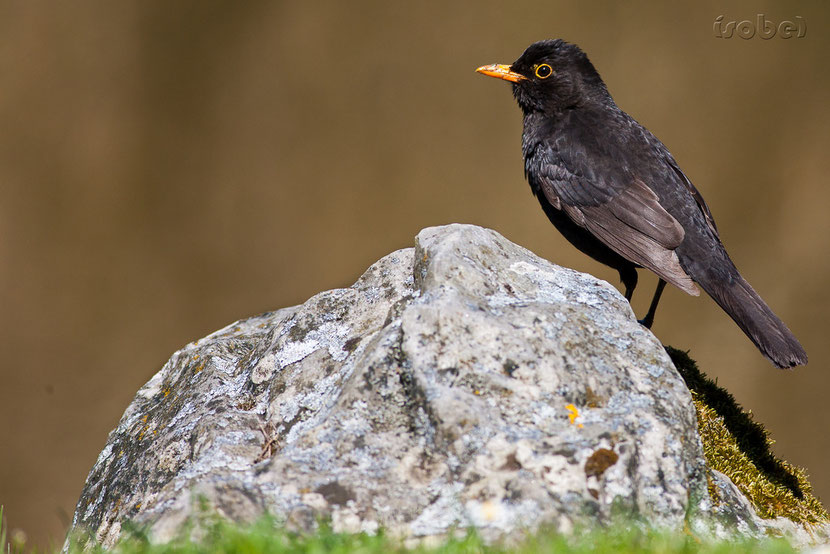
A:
(543, 71)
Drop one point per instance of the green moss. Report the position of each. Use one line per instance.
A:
(739, 447)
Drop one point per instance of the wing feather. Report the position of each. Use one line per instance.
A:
(626, 217)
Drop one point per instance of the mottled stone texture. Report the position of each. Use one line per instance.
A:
(464, 381)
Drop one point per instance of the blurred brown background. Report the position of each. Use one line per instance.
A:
(169, 167)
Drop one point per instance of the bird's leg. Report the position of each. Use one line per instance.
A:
(628, 276)
(649, 319)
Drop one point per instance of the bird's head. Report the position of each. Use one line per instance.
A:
(551, 76)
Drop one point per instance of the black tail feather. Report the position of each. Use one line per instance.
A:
(755, 318)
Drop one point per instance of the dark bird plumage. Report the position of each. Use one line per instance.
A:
(617, 194)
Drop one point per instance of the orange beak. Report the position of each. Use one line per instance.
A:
(501, 71)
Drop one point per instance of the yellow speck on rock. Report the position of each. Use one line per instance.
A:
(573, 413)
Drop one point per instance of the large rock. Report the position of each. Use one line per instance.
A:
(462, 382)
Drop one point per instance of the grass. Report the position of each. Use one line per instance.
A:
(266, 536)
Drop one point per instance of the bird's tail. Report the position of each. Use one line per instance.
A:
(755, 318)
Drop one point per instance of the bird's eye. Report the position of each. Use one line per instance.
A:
(544, 71)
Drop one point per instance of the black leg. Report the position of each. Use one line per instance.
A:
(649, 319)
(628, 276)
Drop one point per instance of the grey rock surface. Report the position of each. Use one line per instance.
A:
(462, 382)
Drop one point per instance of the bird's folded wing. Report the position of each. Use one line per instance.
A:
(628, 219)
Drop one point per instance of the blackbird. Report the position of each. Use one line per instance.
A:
(617, 194)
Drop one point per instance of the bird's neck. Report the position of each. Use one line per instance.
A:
(537, 127)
